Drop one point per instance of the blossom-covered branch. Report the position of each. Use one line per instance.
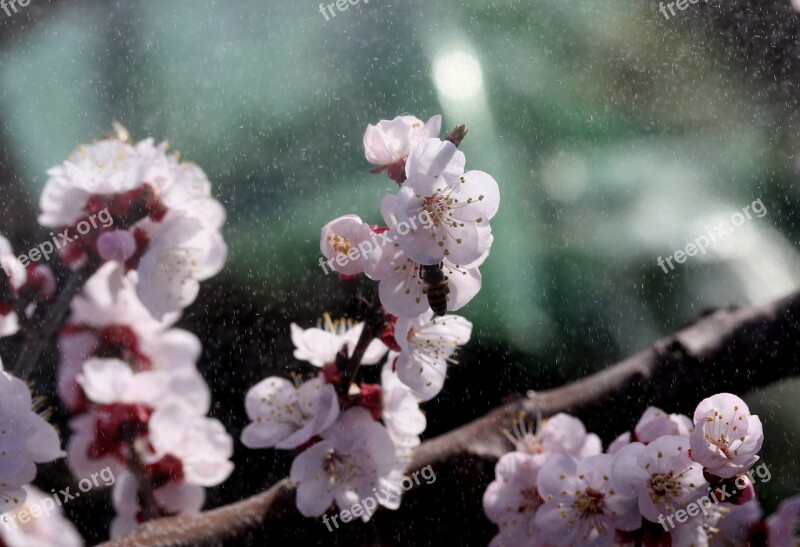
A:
(721, 348)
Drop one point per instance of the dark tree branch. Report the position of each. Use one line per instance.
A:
(147, 498)
(728, 350)
(48, 318)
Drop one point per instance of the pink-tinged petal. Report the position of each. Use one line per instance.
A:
(104, 380)
(481, 191)
(619, 443)
(45, 445)
(400, 290)
(436, 158)
(557, 475)
(627, 472)
(340, 241)
(116, 245)
(181, 497)
(464, 284)
(782, 526)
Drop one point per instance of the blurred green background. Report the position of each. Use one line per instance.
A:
(616, 137)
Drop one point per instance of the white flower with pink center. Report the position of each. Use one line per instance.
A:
(25, 440)
(201, 445)
(460, 206)
(427, 345)
(49, 528)
(340, 241)
(726, 438)
(108, 320)
(401, 289)
(355, 456)
(389, 143)
(512, 499)
(558, 434)
(661, 475)
(122, 403)
(286, 416)
(581, 506)
(320, 345)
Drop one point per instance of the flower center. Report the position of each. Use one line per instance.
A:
(664, 485)
(341, 245)
(589, 502)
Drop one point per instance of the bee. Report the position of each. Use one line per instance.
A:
(435, 287)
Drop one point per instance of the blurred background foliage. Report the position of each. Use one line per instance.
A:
(616, 137)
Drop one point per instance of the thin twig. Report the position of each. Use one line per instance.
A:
(374, 317)
(40, 332)
(147, 498)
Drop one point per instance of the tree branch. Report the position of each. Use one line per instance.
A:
(728, 350)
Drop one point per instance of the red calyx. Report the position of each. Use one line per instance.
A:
(166, 470)
(372, 399)
(114, 425)
(121, 342)
(387, 334)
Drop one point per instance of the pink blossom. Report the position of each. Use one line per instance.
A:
(340, 241)
(285, 416)
(320, 345)
(401, 289)
(427, 345)
(156, 213)
(459, 204)
(726, 438)
(582, 507)
(390, 142)
(558, 434)
(661, 474)
(783, 526)
(355, 456)
(512, 499)
(655, 423)
(25, 440)
(109, 319)
(45, 530)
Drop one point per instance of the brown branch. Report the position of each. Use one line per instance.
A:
(49, 317)
(147, 498)
(729, 350)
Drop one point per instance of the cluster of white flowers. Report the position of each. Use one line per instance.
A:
(26, 439)
(127, 376)
(165, 221)
(356, 439)
(673, 481)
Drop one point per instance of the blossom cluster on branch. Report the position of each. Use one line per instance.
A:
(356, 438)
(672, 481)
(127, 376)
(139, 405)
